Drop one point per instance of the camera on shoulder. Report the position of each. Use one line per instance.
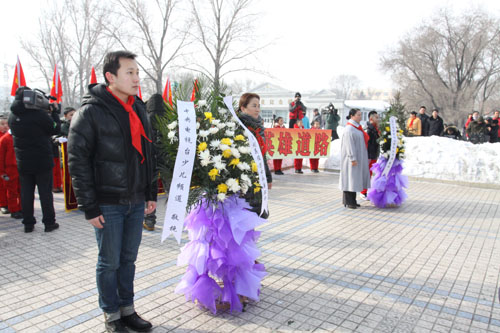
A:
(329, 109)
(36, 99)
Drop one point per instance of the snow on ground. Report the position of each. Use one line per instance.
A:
(440, 158)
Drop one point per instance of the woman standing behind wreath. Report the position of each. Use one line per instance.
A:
(249, 114)
(354, 173)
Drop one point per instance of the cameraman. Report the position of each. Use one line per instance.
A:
(332, 120)
(33, 121)
(297, 110)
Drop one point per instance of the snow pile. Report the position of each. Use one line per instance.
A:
(440, 158)
(447, 159)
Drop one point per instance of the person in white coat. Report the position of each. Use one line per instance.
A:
(354, 172)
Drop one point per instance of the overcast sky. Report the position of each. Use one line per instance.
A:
(312, 40)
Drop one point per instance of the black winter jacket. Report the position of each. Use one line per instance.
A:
(436, 126)
(103, 164)
(424, 119)
(373, 145)
(32, 132)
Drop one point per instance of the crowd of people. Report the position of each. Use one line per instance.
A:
(477, 128)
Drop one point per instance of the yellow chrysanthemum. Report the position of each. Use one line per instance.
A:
(213, 173)
(397, 150)
(226, 141)
(227, 153)
(202, 146)
(254, 167)
(234, 162)
(256, 188)
(388, 129)
(239, 137)
(385, 140)
(208, 116)
(222, 188)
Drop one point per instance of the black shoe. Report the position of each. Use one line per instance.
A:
(358, 205)
(17, 215)
(51, 227)
(315, 170)
(29, 228)
(299, 171)
(4, 210)
(115, 326)
(278, 172)
(136, 323)
(352, 206)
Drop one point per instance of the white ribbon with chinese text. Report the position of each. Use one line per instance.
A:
(394, 146)
(256, 154)
(181, 179)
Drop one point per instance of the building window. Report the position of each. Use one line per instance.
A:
(262, 102)
(281, 102)
(271, 102)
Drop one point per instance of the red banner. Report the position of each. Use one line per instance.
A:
(297, 143)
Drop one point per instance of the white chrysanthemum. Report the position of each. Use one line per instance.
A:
(243, 166)
(222, 111)
(197, 125)
(217, 158)
(215, 122)
(172, 125)
(219, 165)
(214, 144)
(231, 125)
(203, 133)
(172, 137)
(213, 130)
(235, 152)
(244, 188)
(233, 185)
(244, 149)
(221, 197)
(202, 102)
(229, 133)
(204, 157)
(223, 147)
(245, 179)
(221, 125)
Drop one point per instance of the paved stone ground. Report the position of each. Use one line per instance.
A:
(430, 265)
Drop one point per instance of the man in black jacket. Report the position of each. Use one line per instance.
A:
(32, 130)
(112, 166)
(436, 125)
(373, 145)
(424, 120)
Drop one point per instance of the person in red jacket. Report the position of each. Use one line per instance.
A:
(297, 110)
(10, 176)
(277, 163)
(298, 161)
(314, 162)
(4, 127)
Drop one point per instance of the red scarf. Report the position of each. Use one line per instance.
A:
(411, 122)
(136, 128)
(359, 128)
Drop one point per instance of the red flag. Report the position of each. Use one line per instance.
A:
(93, 77)
(167, 93)
(56, 90)
(139, 93)
(18, 78)
(195, 89)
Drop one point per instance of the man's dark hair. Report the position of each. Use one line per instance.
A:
(68, 109)
(435, 110)
(112, 62)
(423, 107)
(315, 110)
(371, 113)
(475, 112)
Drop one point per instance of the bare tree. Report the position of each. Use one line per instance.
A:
(160, 47)
(70, 36)
(225, 31)
(451, 62)
(344, 85)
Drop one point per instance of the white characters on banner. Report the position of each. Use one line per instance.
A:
(183, 169)
(256, 154)
(394, 146)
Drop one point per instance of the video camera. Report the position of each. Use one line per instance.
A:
(329, 109)
(38, 100)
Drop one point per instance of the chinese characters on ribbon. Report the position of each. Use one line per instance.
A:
(394, 146)
(256, 154)
(284, 143)
(184, 163)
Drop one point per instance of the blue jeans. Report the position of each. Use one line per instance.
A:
(118, 243)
